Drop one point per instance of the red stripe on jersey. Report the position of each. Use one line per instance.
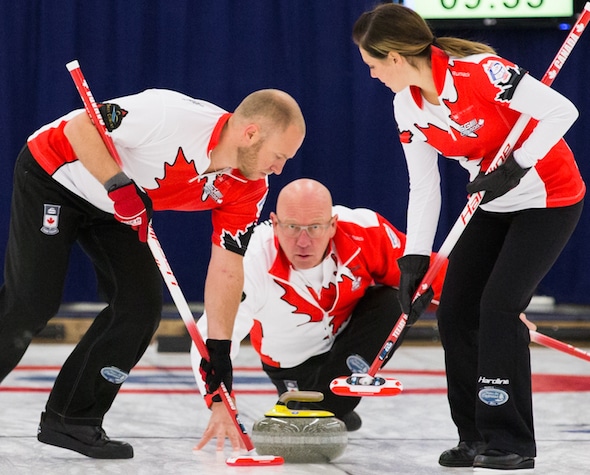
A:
(217, 131)
(51, 148)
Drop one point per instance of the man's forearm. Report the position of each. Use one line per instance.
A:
(223, 290)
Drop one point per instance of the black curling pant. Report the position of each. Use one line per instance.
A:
(493, 272)
(36, 265)
(371, 322)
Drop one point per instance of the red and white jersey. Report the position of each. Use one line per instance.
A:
(164, 139)
(292, 315)
(481, 97)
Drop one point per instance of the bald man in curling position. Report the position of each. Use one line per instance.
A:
(320, 285)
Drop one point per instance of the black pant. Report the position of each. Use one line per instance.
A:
(493, 272)
(371, 322)
(36, 266)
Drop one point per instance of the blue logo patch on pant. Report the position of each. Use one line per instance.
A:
(113, 375)
(493, 396)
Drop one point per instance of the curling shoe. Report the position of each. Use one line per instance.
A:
(85, 439)
(352, 421)
(499, 460)
(462, 455)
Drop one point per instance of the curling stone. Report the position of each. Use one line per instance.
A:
(300, 436)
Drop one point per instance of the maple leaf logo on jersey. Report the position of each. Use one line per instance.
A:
(326, 300)
(464, 120)
(173, 191)
(302, 306)
(405, 136)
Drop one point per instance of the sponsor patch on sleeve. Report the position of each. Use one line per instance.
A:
(112, 114)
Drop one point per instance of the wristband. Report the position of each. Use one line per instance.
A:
(117, 181)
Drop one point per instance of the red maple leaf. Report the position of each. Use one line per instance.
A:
(405, 136)
(302, 306)
(326, 301)
(462, 145)
(171, 192)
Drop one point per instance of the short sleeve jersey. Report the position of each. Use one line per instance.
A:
(164, 139)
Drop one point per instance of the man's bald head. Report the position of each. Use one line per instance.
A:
(305, 194)
(303, 222)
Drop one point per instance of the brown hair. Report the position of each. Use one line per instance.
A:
(393, 27)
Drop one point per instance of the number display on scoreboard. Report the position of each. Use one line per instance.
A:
(508, 9)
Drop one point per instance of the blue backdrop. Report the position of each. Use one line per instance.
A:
(222, 50)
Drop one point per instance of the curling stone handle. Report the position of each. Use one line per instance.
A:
(301, 396)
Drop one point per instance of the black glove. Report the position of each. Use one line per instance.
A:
(218, 369)
(498, 182)
(413, 268)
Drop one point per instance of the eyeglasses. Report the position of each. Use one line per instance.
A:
(312, 230)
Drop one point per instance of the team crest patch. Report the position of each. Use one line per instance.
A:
(112, 114)
(50, 219)
(497, 72)
(493, 396)
(505, 78)
(291, 385)
(113, 375)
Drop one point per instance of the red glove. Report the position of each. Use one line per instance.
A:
(132, 207)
